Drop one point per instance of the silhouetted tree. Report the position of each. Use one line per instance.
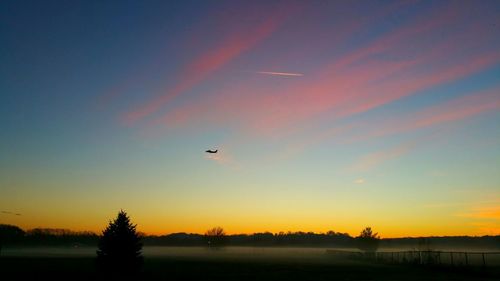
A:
(120, 248)
(368, 241)
(10, 234)
(215, 237)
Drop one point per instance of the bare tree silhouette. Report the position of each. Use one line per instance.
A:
(368, 241)
(120, 248)
(215, 237)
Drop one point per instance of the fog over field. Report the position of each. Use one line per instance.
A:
(233, 252)
(162, 251)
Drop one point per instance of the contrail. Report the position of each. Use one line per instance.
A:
(280, 73)
(10, 213)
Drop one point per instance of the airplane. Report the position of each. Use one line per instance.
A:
(211, 151)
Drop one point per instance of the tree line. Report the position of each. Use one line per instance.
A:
(119, 246)
(15, 236)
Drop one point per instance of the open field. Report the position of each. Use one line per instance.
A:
(235, 264)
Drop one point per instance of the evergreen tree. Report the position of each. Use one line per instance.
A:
(120, 247)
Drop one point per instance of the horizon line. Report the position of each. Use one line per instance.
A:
(253, 233)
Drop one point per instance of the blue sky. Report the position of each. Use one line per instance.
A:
(332, 115)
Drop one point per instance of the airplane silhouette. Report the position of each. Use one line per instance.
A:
(211, 151)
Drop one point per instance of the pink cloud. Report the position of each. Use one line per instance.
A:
(273, 110)
(408, 77)
(392, 40)
(393, 90)
(210, 61)
(451, 111)
(270, 113)
(357, 82)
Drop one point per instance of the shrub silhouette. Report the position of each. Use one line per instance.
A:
(120, 248)
(215, 237)
(368, 241)
(10, 234)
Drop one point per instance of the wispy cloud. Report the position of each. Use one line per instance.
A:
(489, 228)
(488, 212)
(364, 78)
(459, 109)
(374, 159)
(10, 213)
(210, 61)
(453, 110)
(485, 218)
(359, 181)
(356, 82)
(472, 205)
(279, 73)
(222, 157)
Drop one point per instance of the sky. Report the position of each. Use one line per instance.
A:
(328, 115)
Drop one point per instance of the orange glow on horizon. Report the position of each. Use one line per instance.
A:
(384, 230)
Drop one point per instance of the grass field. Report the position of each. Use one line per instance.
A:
(189, 268)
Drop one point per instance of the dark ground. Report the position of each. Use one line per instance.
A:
(22, 268)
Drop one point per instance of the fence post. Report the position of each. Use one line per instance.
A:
(451, 257)
(466, 259)
(484, 260)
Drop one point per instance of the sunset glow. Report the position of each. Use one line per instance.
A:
(331, 115)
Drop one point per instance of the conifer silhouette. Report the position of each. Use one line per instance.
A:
(120, 248)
